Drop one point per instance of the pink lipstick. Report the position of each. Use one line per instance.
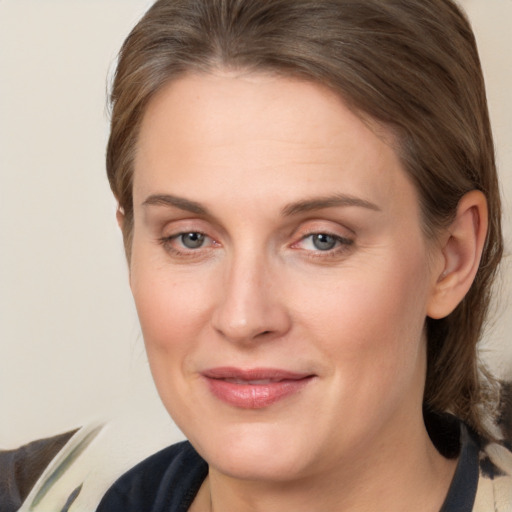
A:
(255, 388)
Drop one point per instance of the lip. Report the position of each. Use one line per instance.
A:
(254, 388)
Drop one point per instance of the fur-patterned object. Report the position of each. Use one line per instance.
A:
(495, 462)
(505, 412)
(494, 492)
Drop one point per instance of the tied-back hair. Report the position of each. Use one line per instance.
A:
(411, 66)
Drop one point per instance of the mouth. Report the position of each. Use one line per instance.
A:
(254, 388)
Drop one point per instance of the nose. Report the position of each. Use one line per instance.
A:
(252, 306)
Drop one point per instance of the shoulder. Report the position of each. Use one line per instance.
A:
(167, 480)
(20, 468)
(495, 478)
(483, 478)
(495, 461)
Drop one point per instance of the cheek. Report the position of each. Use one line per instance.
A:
(172, 318)
(378, 301)
(371, 327)
(171, 307)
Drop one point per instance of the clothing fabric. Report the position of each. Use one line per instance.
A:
(20, 469)
(169, 480)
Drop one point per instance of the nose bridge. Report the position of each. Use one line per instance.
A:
(249, 305)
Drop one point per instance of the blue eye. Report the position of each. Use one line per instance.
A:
(188, 245)
(192, 240)
(323, 241)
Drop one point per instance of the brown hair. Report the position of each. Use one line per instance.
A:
(411, 65)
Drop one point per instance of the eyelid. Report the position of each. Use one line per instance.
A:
(180, 233)
(175, 226)
(181, 251)
(344, 237)
(329, 227)
(338, 238)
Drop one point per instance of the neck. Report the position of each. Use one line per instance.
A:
(406, 473)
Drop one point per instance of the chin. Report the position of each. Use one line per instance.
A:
(261, 452)
(257, 466)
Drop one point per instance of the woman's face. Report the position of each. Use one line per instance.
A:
(280, 275)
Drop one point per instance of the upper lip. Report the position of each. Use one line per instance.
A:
(254, 374)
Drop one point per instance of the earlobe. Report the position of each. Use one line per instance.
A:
(461, 250)
(120, 217)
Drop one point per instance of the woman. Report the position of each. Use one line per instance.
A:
(309, 203)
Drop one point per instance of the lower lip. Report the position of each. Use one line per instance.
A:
(255, 396)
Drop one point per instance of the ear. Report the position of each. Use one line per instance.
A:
(461, 250)
(120, 217)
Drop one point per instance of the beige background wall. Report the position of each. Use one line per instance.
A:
(70, 345)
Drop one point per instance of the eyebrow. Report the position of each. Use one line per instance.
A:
(306, 205)
(176, 202)
(319, 203)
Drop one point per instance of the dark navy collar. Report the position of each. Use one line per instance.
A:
(169, 480)
(462, 492)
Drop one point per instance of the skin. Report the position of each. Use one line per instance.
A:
(251, 151)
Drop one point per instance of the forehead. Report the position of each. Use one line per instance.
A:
(258, 131)
(226, 106)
